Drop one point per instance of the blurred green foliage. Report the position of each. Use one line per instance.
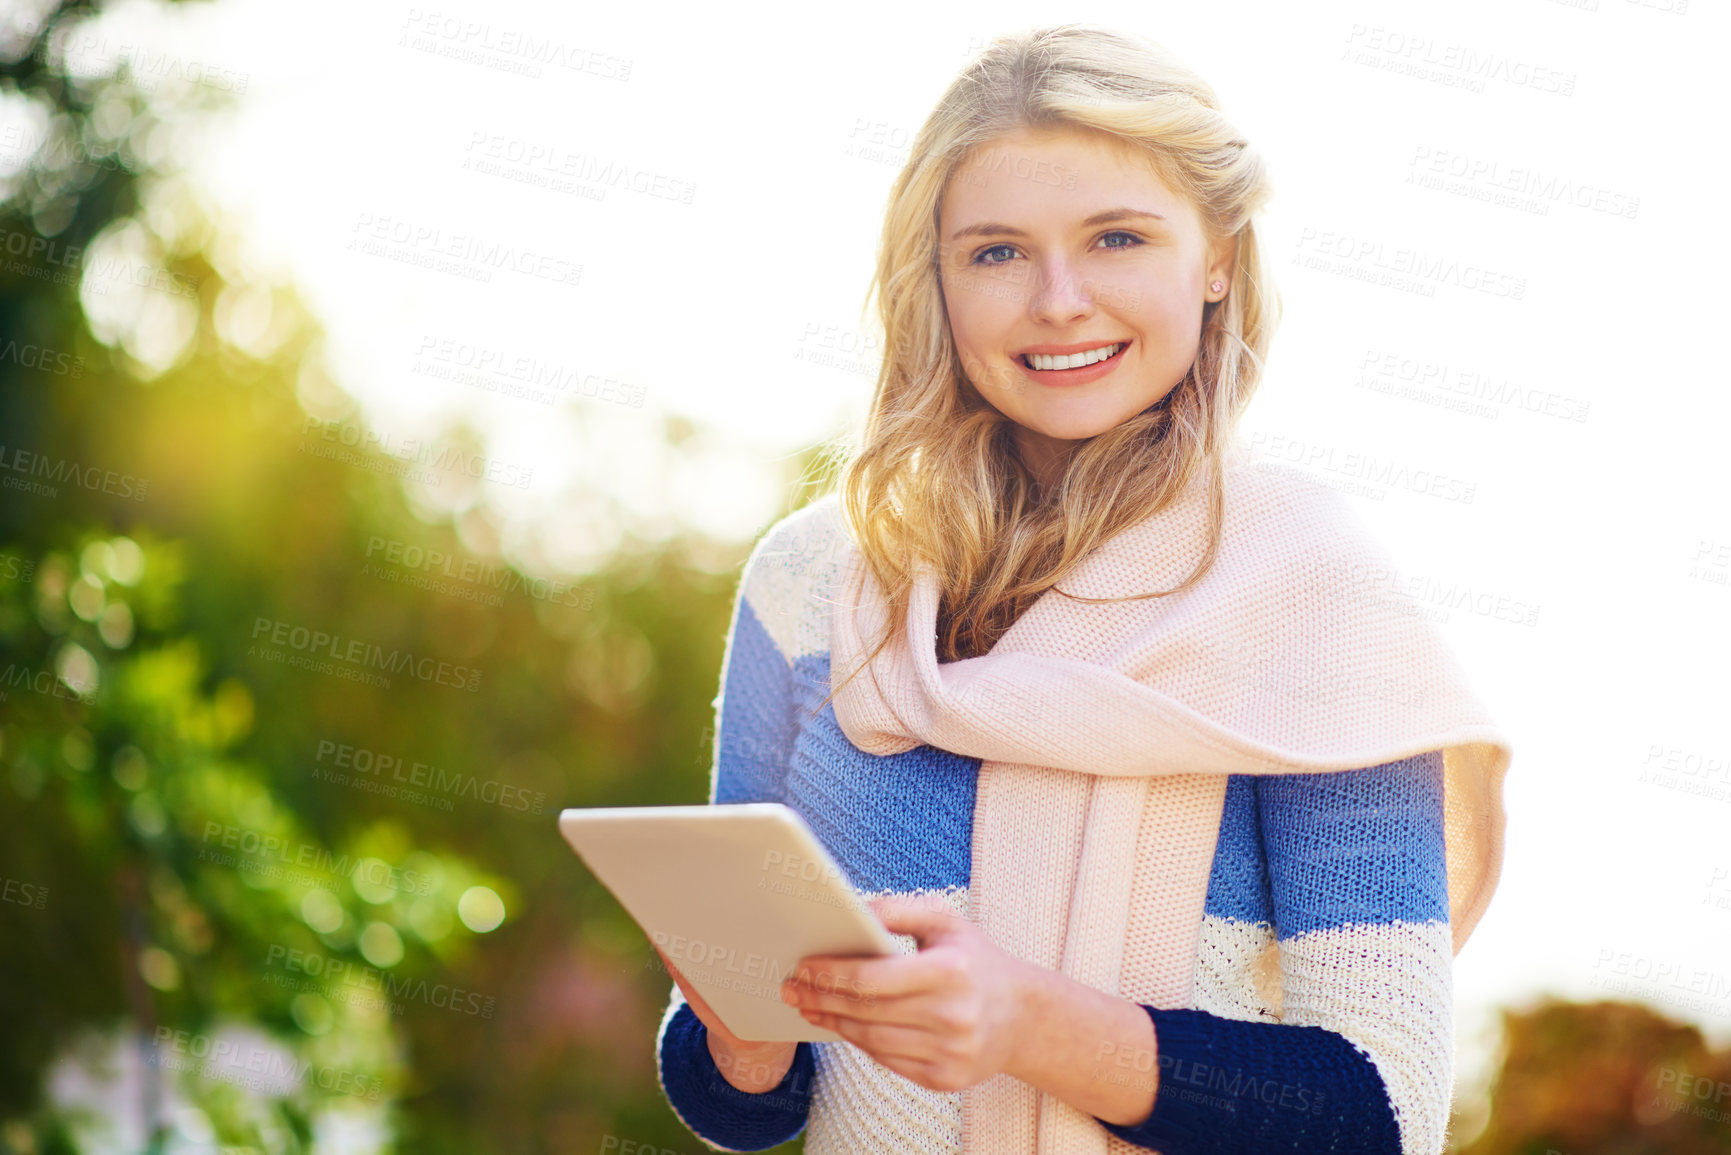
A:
(213, 940)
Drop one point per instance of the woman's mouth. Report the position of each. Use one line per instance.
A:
(1089, 363)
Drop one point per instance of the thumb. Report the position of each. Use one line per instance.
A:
(925, 918)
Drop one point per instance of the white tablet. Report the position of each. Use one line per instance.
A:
(735, 895)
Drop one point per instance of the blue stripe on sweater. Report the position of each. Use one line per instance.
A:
(894, 822)
(756, 714)
(1356, 846)
(1238, 884)
(1293, 826)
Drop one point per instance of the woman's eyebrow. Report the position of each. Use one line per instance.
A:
(992, 228)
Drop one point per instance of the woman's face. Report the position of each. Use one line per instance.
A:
(1064, 242)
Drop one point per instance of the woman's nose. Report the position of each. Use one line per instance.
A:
(1059, 294)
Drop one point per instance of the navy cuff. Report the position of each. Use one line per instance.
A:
(1231, 1087)
(718, 1111)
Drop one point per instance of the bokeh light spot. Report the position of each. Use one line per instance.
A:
(381, 945)
(481, 909)
(322, 910)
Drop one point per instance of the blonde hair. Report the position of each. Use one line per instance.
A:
(935, 474)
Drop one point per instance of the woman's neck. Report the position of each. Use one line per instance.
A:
(1044, 457)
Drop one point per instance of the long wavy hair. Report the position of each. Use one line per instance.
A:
(935, 473)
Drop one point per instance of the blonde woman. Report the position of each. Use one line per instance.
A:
(1180, 850)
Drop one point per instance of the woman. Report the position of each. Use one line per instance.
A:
(1166, 844)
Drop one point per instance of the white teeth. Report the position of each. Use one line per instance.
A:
(1072, 360)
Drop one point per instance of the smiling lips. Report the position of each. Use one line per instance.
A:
(1067, 361)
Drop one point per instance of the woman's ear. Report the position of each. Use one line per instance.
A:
(1222, 259)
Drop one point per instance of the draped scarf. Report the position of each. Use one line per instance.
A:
(1106, 733)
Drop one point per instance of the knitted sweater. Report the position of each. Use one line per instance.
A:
(1343, 871)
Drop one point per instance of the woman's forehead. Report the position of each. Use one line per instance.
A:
(1077, 142)
(1062, 171)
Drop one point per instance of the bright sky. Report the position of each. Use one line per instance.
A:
(1551, 144)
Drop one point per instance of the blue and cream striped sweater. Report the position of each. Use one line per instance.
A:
(1348, 1048)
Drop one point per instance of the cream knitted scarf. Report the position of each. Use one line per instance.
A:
(1106, 734)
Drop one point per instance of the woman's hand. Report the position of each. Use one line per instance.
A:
(752, 1067)
(946, 1018)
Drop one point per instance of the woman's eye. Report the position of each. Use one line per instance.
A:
(985, 257)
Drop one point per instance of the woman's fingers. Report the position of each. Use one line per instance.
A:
(872, 980)
(927, 1011)
(923, 916)
(883, 1040)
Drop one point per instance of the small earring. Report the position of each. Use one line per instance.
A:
(1218, 285)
